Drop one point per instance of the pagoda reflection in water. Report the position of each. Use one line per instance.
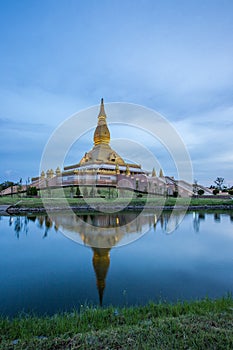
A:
(102, 232)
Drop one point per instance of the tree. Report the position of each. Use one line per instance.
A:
(19, 187)
(6, 184)
(200, 192)
(219, 182)
(49, 193)
(71, 192)
(85, 192)
(176, 190)
(92, 192)
(224, 188)
(31, 191)
(78, 193)
(195, 188)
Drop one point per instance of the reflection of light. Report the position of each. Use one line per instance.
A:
(117, 221)
(155, 219)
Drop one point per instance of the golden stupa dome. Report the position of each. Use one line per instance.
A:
(102, 134)
(101, 152)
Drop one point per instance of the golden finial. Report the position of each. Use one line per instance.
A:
(161, 173)
(127, 172)
(102, 111)
(58, 171)
(49, 173)
(117, 169)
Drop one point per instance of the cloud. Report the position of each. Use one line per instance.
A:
(177, 59)
(8, 124)
(35, 105)
(208, 137)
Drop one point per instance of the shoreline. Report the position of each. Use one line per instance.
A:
(11, 210)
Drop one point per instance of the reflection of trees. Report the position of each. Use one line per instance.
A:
(197, 217)
(48, 225)
(18, 226)
(170, 221)
(167, 218)
(21, 224)
(196, 222)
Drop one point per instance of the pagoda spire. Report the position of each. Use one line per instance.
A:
(101, 134)
(102, 110)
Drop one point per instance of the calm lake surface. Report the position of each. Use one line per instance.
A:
(43, 271)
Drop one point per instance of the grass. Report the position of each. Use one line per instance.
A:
(151, 201)
(205, 324)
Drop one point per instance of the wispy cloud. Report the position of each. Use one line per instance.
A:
(176, 58)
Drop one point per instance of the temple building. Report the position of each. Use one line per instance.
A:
(103, 166)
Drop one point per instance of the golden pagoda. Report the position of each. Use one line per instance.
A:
(104, 167)
(102, 158)
(101, 151)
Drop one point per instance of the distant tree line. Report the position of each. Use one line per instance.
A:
(7, 184)
(30, 190)
(220, 187)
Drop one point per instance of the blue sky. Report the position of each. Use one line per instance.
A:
(59, 57)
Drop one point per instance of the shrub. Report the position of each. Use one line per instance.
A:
(215, 191)
(78, 193)
(31, 191)
(85, 192)
(200, 192)
(92, 192)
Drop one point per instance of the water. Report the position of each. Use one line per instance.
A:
(43, 271)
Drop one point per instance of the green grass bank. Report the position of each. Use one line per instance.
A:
(205, 324)
(30, 203)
